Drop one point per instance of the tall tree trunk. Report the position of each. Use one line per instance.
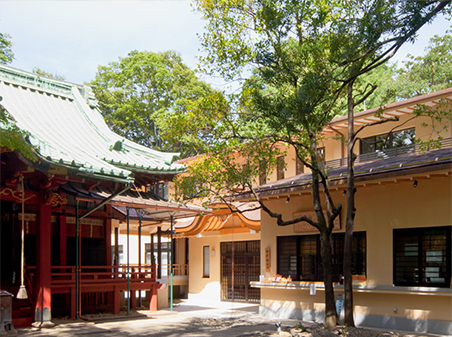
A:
(325, 243)
(348, 290)
(330, 307)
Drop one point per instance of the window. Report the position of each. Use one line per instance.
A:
(165, 249)
(299, 256)
(387, 141)
(280, 168)
(120, 255)
(206, 261)
(299, 169)
(321, 154)
(422, 257)
(160, 190)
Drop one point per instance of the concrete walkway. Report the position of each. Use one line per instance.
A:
(224, 319)
(186, 319)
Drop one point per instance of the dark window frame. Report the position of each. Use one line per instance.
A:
(160, 190)
(120, 254)
(385, 141)
(299, 166)
(410, 257)
(321, 154)
(280, 168)
(305, 256)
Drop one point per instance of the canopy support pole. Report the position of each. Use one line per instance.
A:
(171, 265)
(128, 263)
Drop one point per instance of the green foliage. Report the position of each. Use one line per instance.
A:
(430, 72)
(11, 137)
(156, 100)
(383, 78)
(14, 138)
(225, 172)
(6, 53)
(302, 55)
(418, 75)
(46, 74)
(439, 116)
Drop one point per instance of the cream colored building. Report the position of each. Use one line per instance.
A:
(224, 255)
(402, 246)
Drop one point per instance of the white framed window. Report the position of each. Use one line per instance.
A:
(206, 261)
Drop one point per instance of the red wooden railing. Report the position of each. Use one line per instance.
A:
(96, 275)
(95, 281)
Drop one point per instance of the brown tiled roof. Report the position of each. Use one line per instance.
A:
(409, 164)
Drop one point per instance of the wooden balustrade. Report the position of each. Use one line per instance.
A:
(101, 284)
(178, 269)
(96, 281)
(66, 275)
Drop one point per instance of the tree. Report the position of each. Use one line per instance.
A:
(418, 75)
(427, 73)
(383, 78)
(46, 74)
(153, 99)
(290, 97)
(6, 53)
(12, 137)
(379, 34)
(304, 55)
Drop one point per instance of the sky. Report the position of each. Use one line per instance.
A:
(72, 38)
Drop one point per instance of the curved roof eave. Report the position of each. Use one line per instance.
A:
(68, 129)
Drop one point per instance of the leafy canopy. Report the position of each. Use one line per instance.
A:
(302, 56)
(430, 72)
(12, 137)
(6, 53)
(156, 100)
(41, 72)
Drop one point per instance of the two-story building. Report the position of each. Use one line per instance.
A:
(402, 235)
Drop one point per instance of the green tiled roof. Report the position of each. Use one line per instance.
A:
(68, 129)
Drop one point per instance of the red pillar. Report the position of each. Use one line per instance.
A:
(108, 237)
(43, 309)
(153, 303)
(116, 301)
(63, 239)
(133, 299)
(73, 303)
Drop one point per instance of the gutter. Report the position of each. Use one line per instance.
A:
(44, 165)
(390, 172)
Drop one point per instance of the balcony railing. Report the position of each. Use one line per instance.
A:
(99, 275)
(178, 269)
(388, 153)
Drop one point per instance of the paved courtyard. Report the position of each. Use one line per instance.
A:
(224, 319)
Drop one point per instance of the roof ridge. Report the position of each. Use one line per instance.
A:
(37, 81)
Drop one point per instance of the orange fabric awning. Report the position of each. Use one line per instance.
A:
(239, 218)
